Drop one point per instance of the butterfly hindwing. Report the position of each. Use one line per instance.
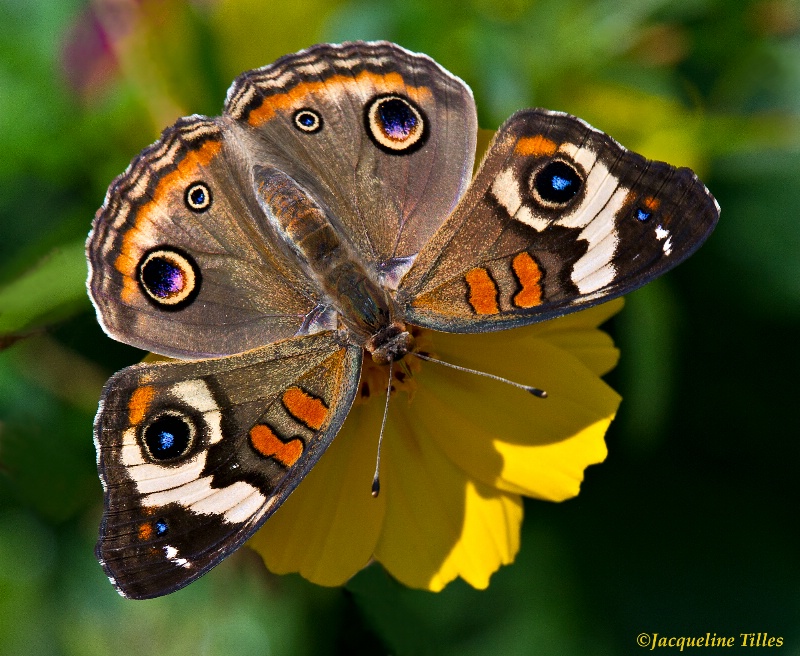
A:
(559, 217)
(195, 456)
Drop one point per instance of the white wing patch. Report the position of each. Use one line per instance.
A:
(583, 156)
(172, 556)
(604, 198)
(505, 190)
(663, 234)
(183, 484)
(594, 270)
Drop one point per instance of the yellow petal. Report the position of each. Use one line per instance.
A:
(577, 334)
(503, 436)
(328, 528)
(585, 319)
(439, 524)
(489, 538)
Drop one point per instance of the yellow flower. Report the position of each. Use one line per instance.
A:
(458, 453)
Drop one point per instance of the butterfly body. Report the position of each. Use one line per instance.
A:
(325, 213)
(362, 305)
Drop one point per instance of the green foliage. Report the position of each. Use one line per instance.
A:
(688, 527)
(47, 292)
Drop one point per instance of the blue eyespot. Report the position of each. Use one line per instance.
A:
(161, 527)
(168, 437)
(642, 215)
(198, 197)
(307, 120)
(556, 184)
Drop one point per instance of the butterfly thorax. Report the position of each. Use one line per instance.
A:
(363, 305)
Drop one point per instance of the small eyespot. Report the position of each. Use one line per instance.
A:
(169, 278)
(642, 214)
(198, 197)
(395, 124)
(556, 184)
(168, 437)
(308, 120)
(160, 526)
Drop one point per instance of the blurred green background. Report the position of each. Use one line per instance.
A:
(690, 526)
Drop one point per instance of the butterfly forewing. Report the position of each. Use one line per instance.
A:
(195, 456)
(559, 217)
(181, 259)
(384, 137)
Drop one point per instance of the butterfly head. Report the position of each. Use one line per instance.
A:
(390, 344)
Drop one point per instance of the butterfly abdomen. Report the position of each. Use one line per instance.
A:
(305, 226)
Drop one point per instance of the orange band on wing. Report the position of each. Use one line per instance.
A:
(305, 408)
(270, 445)
(538, 145)
(185, 172)
(529, 276)
(482, 291)
(139, 403)
(296, 97)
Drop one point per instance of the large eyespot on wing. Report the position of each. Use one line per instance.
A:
(195, 456)
(169, 277)
(395, 124)
(181, 259)
(555, 184)
(168, 436)
(559, 217)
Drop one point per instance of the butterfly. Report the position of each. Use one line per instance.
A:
(327, 211)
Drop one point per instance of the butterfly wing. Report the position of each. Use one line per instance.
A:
(558, 218)
(182, 260)
(195, 456)
(383, 138)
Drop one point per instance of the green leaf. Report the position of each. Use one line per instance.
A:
(51, 291)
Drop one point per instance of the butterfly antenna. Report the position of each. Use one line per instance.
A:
(532, 390)
(376, 482)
